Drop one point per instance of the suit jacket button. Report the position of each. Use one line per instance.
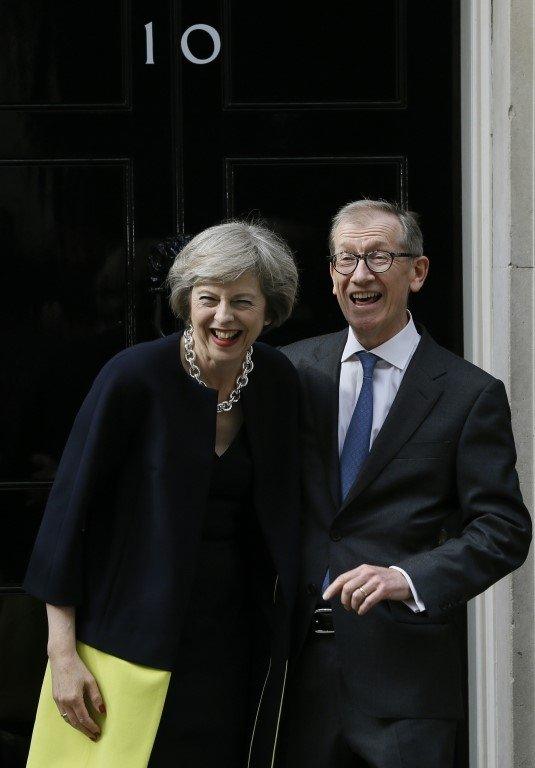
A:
(312, 589)
(335, 535)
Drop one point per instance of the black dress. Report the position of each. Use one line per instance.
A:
(207, 714)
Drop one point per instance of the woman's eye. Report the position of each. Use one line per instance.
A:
(244, 302)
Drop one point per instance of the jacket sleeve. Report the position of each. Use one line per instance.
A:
(93, 450)
(495, 524)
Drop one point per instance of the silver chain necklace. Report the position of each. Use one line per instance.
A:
(195, 372)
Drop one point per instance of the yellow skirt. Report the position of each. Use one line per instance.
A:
(134, 696)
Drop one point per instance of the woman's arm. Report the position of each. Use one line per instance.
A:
(94, 451)
(70, 677)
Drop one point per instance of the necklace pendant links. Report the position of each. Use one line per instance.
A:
(195, 372)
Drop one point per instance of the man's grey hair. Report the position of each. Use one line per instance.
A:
(412, 240)
(225, 252)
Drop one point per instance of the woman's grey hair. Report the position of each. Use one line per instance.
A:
(412, 242)
(223, 253)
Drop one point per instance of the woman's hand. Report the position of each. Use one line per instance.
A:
(72, 686)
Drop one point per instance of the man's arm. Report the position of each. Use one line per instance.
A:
(496, 529)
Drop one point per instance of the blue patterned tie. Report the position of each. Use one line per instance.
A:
(357, 442)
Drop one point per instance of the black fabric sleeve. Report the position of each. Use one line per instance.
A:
(496, 526)
(92, 453)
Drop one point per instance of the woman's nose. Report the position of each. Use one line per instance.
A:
(224, 312)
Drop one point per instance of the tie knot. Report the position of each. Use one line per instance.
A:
(368, 360)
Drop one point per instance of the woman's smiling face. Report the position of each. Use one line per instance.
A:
(227, 318)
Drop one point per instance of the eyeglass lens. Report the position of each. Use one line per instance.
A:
(376, 262)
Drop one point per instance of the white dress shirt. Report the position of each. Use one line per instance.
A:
(395, 355)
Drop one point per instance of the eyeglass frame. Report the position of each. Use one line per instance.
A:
(358, 258)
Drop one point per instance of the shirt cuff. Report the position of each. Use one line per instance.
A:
(415, 604)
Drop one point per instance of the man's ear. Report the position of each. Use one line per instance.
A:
(420, 269)
(331, 271)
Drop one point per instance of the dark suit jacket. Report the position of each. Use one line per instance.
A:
(438, 496)
(120, 531)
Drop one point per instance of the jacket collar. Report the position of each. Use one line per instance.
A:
(419, 391)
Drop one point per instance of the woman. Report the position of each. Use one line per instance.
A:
(168, 550)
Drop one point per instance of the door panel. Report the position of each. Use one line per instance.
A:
(322, 59)
(64, 54)
(65, 225)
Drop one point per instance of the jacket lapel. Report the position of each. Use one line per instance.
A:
(419, 391)
(323, 390)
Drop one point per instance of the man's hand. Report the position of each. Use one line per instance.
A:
(365, 586)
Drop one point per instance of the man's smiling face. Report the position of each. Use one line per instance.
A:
(375, 304)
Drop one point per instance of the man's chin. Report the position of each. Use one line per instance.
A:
(365, 326)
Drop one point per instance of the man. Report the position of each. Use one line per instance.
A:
(411, 508)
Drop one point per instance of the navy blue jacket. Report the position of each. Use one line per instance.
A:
(120, 531)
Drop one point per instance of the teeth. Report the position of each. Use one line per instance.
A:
(225, 334)
(364, 295)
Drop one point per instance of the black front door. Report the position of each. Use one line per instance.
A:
(124, 122)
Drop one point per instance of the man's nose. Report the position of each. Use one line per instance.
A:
(361, 273)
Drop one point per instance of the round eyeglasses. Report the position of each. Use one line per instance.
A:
(376, 261)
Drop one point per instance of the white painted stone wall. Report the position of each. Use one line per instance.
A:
(498, 243)
(520, 274)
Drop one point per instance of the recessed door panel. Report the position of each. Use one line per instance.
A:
(339, 54)
(63, 53)
(64, 229)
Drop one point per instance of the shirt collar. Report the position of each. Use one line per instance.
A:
(396, 351)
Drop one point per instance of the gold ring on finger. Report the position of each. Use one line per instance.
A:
(363, 592)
